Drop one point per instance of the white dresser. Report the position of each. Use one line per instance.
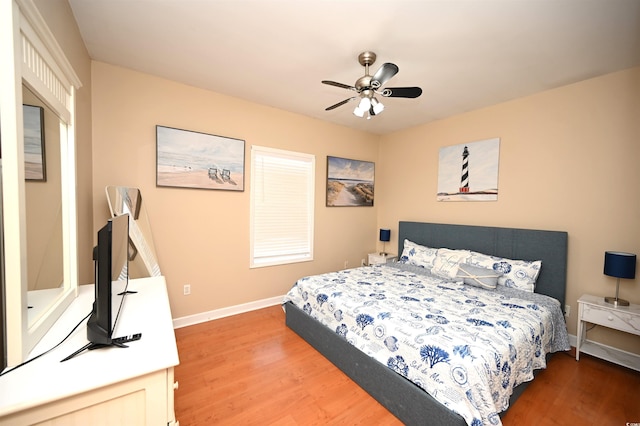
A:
(109, 386)
(594, 310)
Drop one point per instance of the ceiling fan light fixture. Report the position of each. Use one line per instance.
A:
(365, 103)
(376, 106)
(367, 86)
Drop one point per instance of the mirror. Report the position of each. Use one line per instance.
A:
(43, 201)
(142, 253)
(38, 257)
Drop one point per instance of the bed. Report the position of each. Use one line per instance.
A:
(354, 346)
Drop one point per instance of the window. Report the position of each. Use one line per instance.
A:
(282, 206)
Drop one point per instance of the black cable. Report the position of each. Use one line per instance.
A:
(48, 350)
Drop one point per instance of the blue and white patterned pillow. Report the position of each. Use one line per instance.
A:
(415, 254)
(520, 274)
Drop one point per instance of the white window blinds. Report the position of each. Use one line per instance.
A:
(282, 206)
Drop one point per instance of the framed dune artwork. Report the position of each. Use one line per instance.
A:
(469, 172)
(188, 159)
(350, 182)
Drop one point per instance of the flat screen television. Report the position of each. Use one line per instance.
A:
(111, 262)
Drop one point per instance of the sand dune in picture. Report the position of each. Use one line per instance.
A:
(199, 179)
(341, 194)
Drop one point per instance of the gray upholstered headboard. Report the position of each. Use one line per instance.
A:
(519, 244)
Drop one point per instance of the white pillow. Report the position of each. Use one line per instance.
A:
(415, 254)
(447, 261)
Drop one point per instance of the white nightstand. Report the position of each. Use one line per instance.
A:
(378, 258)
(595, 310)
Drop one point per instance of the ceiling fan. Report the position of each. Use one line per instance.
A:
(368, 86)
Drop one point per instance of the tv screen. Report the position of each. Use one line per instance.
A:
(111, 279)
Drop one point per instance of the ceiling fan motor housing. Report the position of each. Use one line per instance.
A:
(363, 84)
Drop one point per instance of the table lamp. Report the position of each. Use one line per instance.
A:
(385, 235)
(620, 265)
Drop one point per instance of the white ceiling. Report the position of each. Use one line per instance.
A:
(463, 54)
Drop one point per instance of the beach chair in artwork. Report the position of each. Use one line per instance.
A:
(226, 175)
(213, 173)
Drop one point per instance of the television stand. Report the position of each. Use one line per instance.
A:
(137, 387)
(118, 341)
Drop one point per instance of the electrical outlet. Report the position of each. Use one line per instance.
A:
(346, 264)
(567, 310)
(187, 289)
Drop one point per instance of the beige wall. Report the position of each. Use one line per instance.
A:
(202, 236)
(43, 200)
(568, 161)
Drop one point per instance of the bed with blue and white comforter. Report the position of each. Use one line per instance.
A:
(468, 347)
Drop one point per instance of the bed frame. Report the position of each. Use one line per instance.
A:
(408, 402)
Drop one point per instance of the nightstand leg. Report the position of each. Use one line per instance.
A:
(580, 337)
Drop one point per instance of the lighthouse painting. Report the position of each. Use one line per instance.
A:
(469, 172)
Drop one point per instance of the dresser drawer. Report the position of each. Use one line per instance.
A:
(612, 318)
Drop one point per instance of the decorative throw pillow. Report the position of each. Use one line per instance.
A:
(520, 274)
(447, 261)
(415, 254)
(478, 277)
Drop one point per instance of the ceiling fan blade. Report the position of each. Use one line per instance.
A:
(340, 103)
(384, 74)
(342, 86)
(402, 92)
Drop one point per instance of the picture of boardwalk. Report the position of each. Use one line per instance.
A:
(349, 182)
(190, 159)
(469, 172)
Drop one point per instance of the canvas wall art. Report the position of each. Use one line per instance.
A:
(189, 159)
(469, 172)
(34, 153)
(350, 182)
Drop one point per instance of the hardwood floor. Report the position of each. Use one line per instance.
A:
(250, 369)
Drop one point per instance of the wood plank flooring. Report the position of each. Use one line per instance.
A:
(250, 369)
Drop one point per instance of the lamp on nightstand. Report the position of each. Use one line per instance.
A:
(385, 236)
(620, 265)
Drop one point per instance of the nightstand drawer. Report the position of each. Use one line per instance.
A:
(378, 259)
(612, 318)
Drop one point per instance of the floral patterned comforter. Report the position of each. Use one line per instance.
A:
(467, 347)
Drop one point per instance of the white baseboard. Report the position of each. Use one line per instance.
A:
(226, 312)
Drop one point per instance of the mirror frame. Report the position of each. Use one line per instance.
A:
(31, 55)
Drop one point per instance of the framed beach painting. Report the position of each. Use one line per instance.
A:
(188, 159)
(350, 183)
(469, 172)
(35, 167)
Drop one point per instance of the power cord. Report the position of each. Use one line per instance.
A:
(48, 350)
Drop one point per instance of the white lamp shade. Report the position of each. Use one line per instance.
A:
(365, 104)
(377, 107)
